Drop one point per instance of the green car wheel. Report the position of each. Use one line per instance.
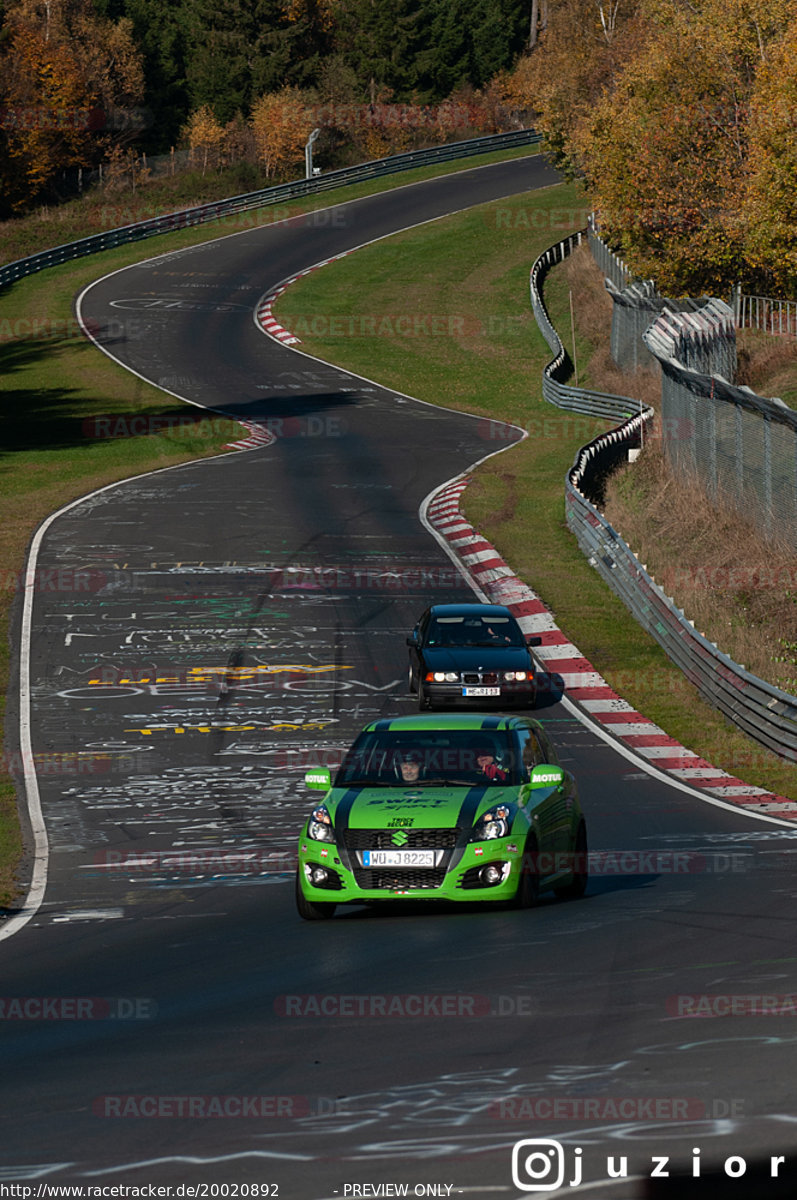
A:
(528, 888)
(578, 885)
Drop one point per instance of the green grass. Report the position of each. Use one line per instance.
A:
(471, 272)
(99, 211)
(52, 381)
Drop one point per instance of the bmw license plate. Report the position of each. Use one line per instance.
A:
(481, 691)
(398, 858)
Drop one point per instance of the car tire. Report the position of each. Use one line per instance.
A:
(424, 703)
(412, 682)
(528, 888)
(312, 910)
(578, 884)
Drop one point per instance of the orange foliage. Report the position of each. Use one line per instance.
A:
(320, 13)
(281, 124)
(47, 109)
(63, 71)
(204, 133)
(770, 198)
(572, 64)
(665, 149)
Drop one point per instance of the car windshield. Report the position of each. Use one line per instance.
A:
(478, 630)
(458, 757)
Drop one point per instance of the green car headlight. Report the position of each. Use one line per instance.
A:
(496, 823)
(319, 827)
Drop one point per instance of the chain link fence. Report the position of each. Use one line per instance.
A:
(765, 712)
(742, 446)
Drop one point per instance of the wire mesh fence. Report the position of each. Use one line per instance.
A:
(742, 446)
(707, 420)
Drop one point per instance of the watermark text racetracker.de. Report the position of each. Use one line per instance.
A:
(77, 1008)
(187, 425)
(545, 1165)
(358, 1006)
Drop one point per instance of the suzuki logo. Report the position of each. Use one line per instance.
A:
(399, 838)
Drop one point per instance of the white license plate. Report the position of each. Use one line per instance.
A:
(481, 691)
(399, 858)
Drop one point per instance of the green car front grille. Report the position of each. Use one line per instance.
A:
(393, 879)
(414, 839)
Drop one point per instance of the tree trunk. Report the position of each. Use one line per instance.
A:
(535, 16)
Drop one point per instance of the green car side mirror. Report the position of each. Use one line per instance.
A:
(545, 775)
(319, 778)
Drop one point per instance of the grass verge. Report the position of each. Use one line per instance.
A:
(101, 209)
(53, 384)
(472, 270)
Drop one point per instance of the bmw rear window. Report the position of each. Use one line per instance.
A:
(496, 632)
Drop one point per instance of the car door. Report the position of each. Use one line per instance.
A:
(561, 801)
(415, 643)
(543, 807)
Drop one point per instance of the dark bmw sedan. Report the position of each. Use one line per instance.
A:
(470, 654)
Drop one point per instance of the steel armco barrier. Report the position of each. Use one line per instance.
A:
(554, 390)
(762, 710)
(203, 213)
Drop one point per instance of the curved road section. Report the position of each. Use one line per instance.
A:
(214, 629)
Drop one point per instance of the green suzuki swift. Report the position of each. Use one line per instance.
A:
(456, 808)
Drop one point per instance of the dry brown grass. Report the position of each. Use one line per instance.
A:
(738, 588)
(768, 364)
(593, 313)
(764, 359)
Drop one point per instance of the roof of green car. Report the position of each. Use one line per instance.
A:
(447, 721)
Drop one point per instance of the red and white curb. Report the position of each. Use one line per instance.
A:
(581, 682)
(258, 436)
(264, 317)
(265, 320)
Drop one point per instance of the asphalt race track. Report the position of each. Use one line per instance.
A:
(167, 1017)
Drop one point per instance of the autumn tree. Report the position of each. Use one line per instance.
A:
(575, 57)
(46, 110)
(68, 79)
(769, 207)
(204, 135)
(664, 149)
(281, 123)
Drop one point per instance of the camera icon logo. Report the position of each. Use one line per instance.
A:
(538, 1165)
